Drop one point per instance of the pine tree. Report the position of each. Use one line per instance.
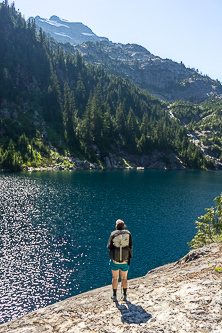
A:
(209, 226)
(23, 144)
(132, 131)
(11, 159)
(121, 119)
(70, 120)
(80, 91)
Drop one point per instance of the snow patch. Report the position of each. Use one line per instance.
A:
(86, 34)
(54, 23)
(62, 34)
(63, 20)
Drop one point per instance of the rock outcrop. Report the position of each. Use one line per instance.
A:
(184, 296)
(164, 78)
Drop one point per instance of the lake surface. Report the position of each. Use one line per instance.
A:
(54, 228)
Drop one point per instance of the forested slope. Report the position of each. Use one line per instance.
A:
(49, 98)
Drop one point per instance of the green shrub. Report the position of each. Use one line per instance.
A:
(209, 226)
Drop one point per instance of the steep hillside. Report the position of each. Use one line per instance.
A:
(52, 101)
(204, 125)
(164, 78)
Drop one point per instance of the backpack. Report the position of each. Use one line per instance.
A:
(121, 247)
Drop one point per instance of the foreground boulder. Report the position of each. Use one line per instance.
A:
(184, 296)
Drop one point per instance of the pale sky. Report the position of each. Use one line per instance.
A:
(181, 30)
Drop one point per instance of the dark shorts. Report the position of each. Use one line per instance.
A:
(116, 267)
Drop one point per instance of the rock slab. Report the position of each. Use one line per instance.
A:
(184, 296)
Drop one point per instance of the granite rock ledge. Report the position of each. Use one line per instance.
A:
(184, 296)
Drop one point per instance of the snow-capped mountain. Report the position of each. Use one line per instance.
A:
(64, 31)
(163, 78)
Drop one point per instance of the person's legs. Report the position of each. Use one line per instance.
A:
(115, 279)
(123, 275)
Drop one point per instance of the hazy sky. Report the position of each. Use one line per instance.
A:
(181, 30)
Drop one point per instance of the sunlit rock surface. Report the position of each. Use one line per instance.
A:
(185, 296)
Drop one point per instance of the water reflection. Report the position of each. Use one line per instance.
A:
(39, 259)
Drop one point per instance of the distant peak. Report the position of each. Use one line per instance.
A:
(54, 18)
(65, 31)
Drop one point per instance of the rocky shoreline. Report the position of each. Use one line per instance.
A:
(120, 160)
(181, 297)
(115, 161)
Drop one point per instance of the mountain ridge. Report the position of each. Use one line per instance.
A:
(164, 78)
(65, 31)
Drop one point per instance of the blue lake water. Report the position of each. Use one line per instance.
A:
(54, 228)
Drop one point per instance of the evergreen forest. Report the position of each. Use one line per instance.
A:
(51, 100)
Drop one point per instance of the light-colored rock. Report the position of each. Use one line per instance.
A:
(15, 114)
(5, 114)
(182, 297)
(86, 165)
(108, 163)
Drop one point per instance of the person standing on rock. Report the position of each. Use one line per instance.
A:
(120, 252)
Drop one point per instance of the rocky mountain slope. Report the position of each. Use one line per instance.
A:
(164, 78)
(67, 32)
(204, 125)
(184, 296)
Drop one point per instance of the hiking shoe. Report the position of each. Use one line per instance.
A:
(124, 297)
(114, 298)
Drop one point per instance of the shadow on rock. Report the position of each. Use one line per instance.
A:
(133, 314)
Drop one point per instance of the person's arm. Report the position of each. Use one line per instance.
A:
(109, 245)
(131, 246)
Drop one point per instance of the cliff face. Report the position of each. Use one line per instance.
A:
(164, 78)
(185, 296)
